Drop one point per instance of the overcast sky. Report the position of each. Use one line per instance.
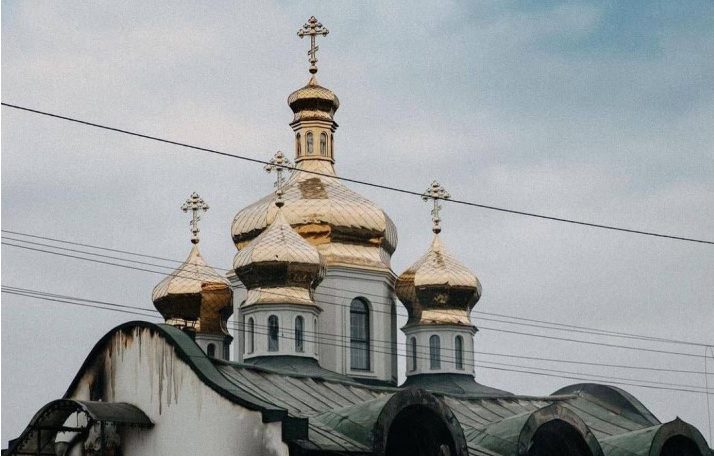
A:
(599, 111)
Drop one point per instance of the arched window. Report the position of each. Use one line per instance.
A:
(414, 352)
(332, 145)
(314, 336)
(250, 340)
(359, 335)
(459, 352)
(323, 144)
(308, 138)
(211, 350)
(299, 330)
(273, 331)
(298, 146)
(434, 352)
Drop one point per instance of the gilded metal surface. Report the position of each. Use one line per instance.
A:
(437, 289)
(279, 266)
(346, 228)
(435, 192)
(313, 102)
(196, 205)
(194, 295)
(312, 28)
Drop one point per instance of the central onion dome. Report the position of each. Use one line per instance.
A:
(279, 267)
(346, 228)
(438, 290)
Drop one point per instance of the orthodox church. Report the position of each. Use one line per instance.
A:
(313, 303)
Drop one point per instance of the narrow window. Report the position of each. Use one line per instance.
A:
(314, 336)
(434, 352)
(359, 335)
(308, 137)
(251, 336)
(273, 330)
(211, 350)
(298, 146)
(414, 353)
(226, 351)
(332, 145)
(323, 144)
(459, 349)
(299, 330)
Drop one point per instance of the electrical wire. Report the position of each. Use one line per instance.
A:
(379, 300)
(357, 181)
(489, 365)
(385, 343)
(651, 350)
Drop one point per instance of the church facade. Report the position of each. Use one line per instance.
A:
(308, 311)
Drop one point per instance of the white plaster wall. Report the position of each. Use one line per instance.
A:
(286, 323)
(447, 335)
(340, 286)
(335, 294)
(239, 295)
(141, 368)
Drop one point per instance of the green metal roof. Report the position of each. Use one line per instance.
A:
(340, 413)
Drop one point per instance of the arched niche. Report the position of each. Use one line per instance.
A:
(414, 423)
(557, 430)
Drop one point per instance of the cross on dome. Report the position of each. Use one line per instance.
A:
(196, 205)
(436, 192)
(278, 163)
(312, 28)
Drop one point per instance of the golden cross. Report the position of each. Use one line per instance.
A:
(312, 28)
(278, 163)
(435, 192)
(195, 204)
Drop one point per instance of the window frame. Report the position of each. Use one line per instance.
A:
(459, 352)
(273, 333)
(299, 334)
(434, 352)
(360, 346)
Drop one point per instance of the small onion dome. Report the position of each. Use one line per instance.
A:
(195, 297)
(438, 290)
(279, 267)
(313, 102)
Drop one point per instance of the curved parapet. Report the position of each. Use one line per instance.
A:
(675, 438)
(50, 419)
(617, 399)
(395, 424)
(524, 434)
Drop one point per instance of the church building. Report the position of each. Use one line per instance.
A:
(309, 313)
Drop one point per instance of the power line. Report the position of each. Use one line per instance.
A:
(583, 376)
(652, 350)
(379, 300)
(323, 335)
(357, 181)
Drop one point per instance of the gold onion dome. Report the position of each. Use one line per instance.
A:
(279, 266)
(437, 289)
(346, 228)
(313, 102)
(195, 296)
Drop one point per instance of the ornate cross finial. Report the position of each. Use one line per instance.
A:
(278, 163)
(196, 205)
(312, 28)
(435, 192)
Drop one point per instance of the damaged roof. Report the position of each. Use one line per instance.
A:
(334, 413)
